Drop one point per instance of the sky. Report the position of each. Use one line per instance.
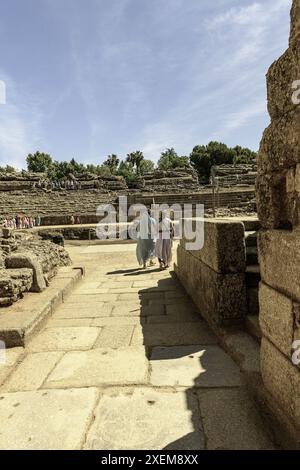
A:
(87, 78)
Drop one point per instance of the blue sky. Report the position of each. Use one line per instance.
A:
(86, 78)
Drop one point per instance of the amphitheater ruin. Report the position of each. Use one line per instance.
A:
(201, 356)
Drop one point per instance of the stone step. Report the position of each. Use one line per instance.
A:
(252, 327)
(251, 224)
(22, 320)
(252, 301)
(252, 276)
(251, 238)
(251, 255)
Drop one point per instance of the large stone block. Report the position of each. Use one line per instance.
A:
(224, 246)
(295, 17)
(282, 380)
(279, 147)
(280, 78)
(221, 298)
(279, 259)
(277, 204)
(27, 260)
(277, 318)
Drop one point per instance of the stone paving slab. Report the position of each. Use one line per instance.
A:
(32, 372)
(118, 320)
(115, 336)
(88, 310)
(173, 334)
(129, 297)
(177, 317)
(101, 366)
(231, 421)
(82, 299)
(116, 285)
(12, 357)
(149, 310)
(144, 418)
(126, 309)
(46, 419)
(90, 291)
(64, 339)
(181, 309)
(20, 321)
(197, 366)
(65, 322)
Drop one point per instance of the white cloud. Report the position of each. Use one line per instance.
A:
(19, 127)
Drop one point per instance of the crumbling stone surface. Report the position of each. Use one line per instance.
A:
(234, 175)
(54, 237)
(27, 263)
(13, 283)
(278, 201)
(170, 181)
(21, 260)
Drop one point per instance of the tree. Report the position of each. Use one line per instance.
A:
(146, 166)
(100, 170)
(135, 159)
(7, 169)
(170, 160)
(39, 162)
(244, 155)
(127, 171)
(76, 167)
(112, 162)
(203, 157)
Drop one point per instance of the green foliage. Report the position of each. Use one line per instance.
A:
(39, 162)
(203, 157)
(112, 162)
(146, 166)
(170, 160)
(135, 159)
(126, 170)
(7, 169)
(244, 155)
(100, 170)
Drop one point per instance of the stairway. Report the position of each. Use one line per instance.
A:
(252, 279)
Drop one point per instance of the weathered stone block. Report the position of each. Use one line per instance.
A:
(295, 17)
(277, 318)
(26, 260)
(277, 204)
(281, 140)
(280, 78)
(290, 180)
(220, 298)
(224, 246)
(282, 380)
(279, 259)
(297, 179)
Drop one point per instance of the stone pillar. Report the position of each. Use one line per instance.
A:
(278, 199)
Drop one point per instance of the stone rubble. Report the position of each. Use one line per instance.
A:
(27, 264)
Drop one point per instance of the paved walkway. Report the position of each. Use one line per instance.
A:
(126, 363)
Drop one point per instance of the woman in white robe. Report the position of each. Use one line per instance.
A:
(164, 242)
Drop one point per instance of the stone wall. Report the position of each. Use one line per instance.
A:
(278, 198)
(171, 181)
(27, 264)
(214, 276)
(226, 176)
